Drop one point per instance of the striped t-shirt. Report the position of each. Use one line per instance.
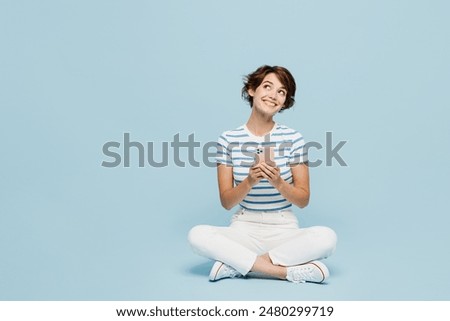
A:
(238, 147)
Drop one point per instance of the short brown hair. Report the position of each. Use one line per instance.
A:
(254, 79)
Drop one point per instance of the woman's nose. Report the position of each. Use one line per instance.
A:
(273, 94)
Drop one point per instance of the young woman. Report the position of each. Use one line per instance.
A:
(262, 166)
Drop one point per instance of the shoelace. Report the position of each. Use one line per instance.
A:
(301, 275)
(232, 272)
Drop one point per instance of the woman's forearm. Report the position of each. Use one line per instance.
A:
(295, 195)
(236, 194)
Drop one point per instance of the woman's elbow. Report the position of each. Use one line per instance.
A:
(303, 201)
(225, 204)
(227, 207)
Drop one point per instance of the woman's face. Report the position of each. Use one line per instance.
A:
(270, 96)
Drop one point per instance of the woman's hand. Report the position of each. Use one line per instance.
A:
(272, 173)
(255, 174)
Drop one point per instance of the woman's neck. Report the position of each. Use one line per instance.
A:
(258, 125)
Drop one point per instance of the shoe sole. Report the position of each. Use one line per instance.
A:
(215, 270)
(322, 268)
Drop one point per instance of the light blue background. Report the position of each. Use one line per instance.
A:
(77, 74)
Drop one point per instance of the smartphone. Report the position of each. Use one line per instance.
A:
(266, 155)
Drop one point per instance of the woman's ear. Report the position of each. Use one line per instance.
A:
(251, 92)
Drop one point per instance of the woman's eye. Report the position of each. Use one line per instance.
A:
(283, 93)
(266, 87)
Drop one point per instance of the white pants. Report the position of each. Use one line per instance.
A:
(254, 233)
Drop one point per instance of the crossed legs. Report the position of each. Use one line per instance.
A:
(244, 252)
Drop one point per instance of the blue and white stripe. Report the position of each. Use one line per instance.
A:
(236, 148)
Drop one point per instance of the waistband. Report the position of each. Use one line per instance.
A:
(266, 217)
(244, 210)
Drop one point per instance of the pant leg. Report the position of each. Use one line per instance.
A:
(229, 245)
(304, 245)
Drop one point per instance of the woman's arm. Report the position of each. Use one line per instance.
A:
(298, 193)
(231, 195)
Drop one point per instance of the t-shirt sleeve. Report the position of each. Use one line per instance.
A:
(298, 154)
(223, 155)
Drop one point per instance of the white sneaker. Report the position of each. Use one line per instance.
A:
(313, 271)
(221, 270)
